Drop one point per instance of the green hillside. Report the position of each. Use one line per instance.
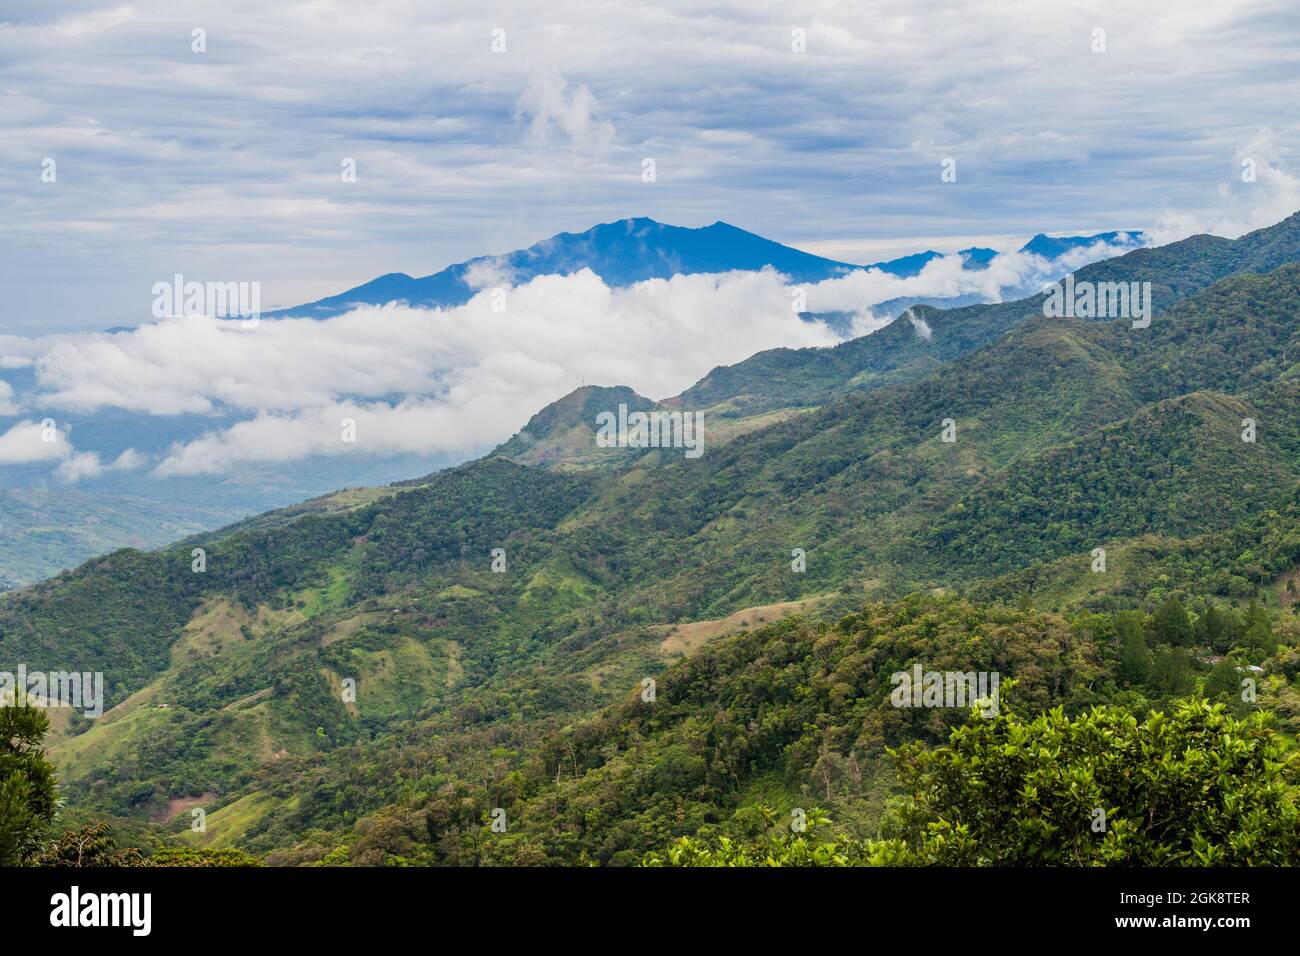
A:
(367, 677)
(782, 377)
(47, 533)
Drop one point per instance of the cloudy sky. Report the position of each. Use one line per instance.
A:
(225, 164)
(142, 140)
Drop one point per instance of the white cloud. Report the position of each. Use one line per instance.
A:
(1272, 194)
(488, 273)
(29, 442)
(7, 406)
(554, 110)
(379, 429)
(469, 377)
(32, 442)
(1012, 274)
(18, 352)
(922, 327)
(458, 380)
(658, 336)
(843, 140)
(74, 27)
(78, 465)
(129, 460)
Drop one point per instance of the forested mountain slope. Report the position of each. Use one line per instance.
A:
(486, 614)
(782, 377)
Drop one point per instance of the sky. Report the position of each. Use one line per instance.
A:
(225, 163)
(216, 141)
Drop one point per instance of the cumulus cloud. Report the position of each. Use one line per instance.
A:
(462, 379)
(78, 465)
(417, 380)
(128, 460)
(489, 272)
(1008, 275)
(553, 110)
(46, 442)
(374, 428)
(1261, 192)
(7, 406)
(18, 352)
(29, 442)
(657, 336)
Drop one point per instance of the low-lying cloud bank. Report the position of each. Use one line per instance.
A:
(389, 380)
(45, 442)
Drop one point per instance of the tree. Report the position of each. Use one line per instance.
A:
(93, 845)
(1171, 671)
(1134, 654)
(778, 844)
(88, 846)
(1195, 787)
(1171, 625)
(29, 796)
(1211, 629)
(1259, 631)
(1224, 683)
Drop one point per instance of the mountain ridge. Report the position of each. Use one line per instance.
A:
(465, 673)
(638, 248)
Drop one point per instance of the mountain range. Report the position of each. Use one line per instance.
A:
(51, 525)
(633, 250)
(617, 647)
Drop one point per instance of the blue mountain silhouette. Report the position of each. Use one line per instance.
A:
(633, 250)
